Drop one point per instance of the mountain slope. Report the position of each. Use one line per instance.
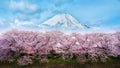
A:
(62, 21)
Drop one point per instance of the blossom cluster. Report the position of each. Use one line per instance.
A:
(24, 46)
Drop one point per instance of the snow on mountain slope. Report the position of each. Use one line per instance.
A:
(62, 21)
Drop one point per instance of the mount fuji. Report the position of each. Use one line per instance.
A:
(62, 21)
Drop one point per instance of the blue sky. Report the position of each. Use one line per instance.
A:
(98, 14)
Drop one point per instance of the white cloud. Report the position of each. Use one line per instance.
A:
(22, 23)
(1, 22)
(101, 30)
(4, 22)
(95, 22)
(23, 6)
(61, 1)
(25, 13)
(96, 28)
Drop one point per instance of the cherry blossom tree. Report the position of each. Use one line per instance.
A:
(28, 45)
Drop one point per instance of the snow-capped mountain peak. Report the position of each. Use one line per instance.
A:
(62, 21)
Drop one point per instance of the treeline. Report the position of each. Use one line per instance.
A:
(26, 46)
